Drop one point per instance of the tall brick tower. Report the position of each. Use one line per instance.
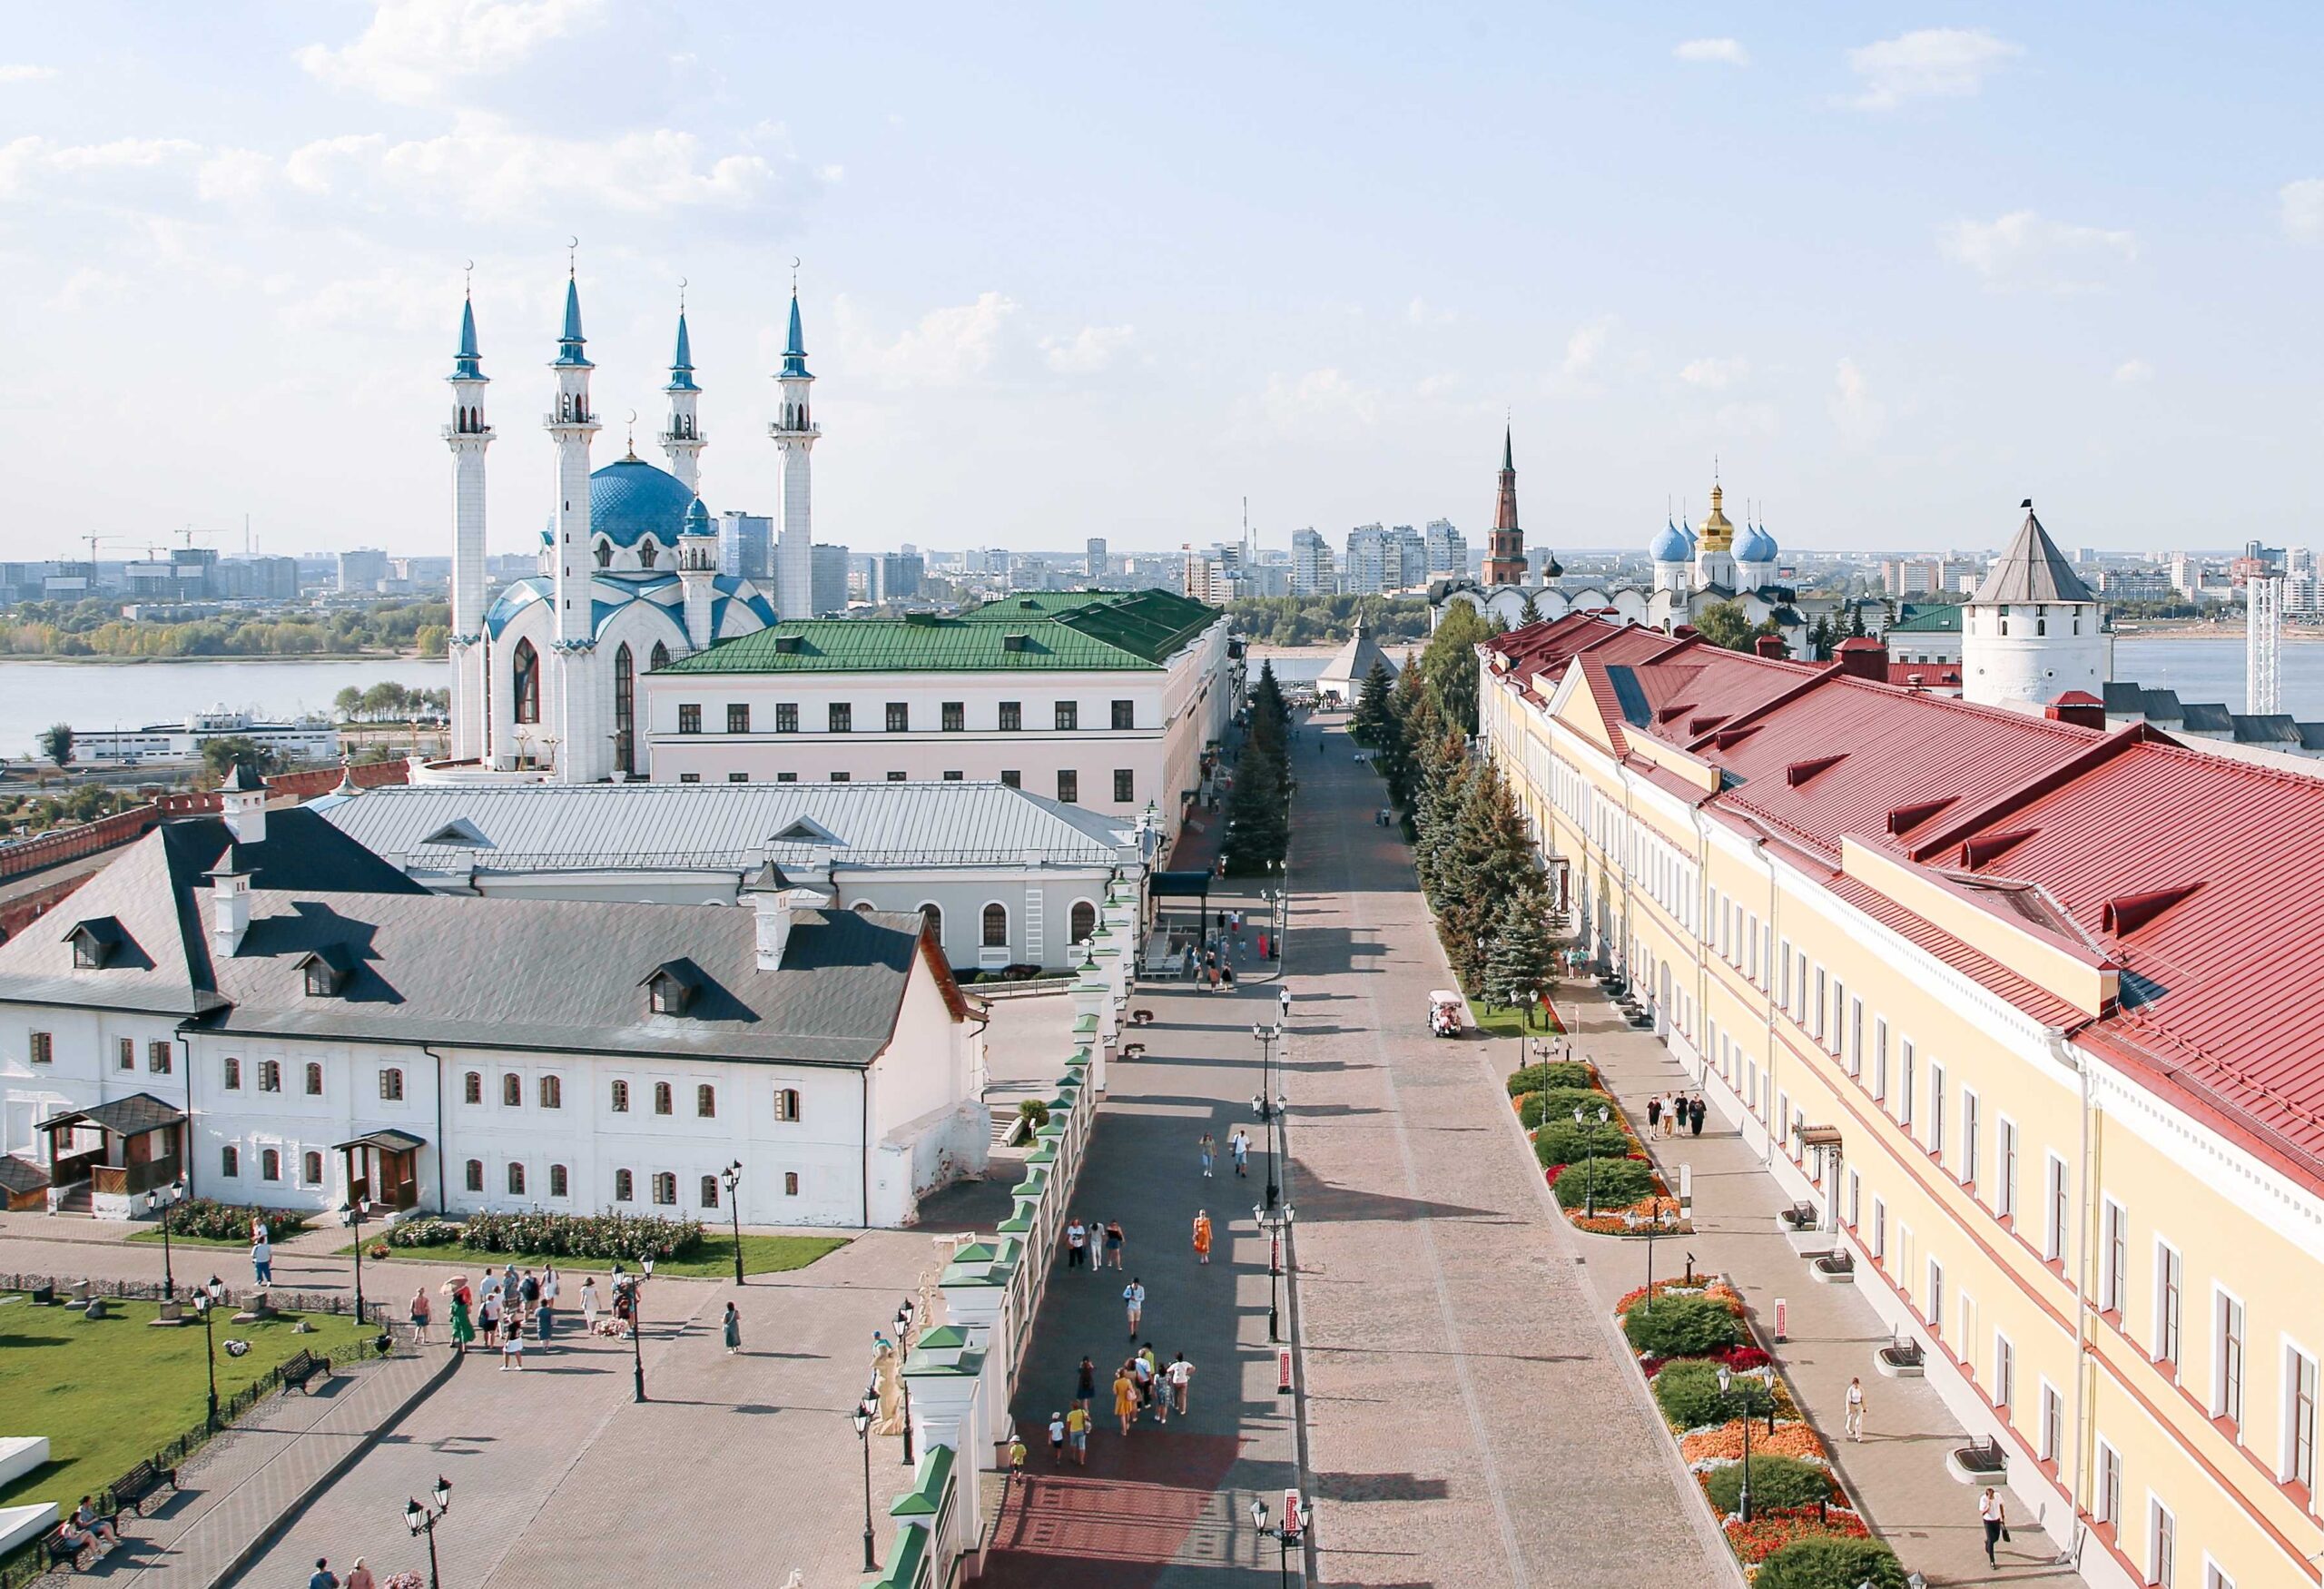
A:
(1505, 547)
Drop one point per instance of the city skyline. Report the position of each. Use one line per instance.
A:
(1636, 263)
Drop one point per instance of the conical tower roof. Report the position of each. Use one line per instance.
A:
(2032, 570)
(1351, 665)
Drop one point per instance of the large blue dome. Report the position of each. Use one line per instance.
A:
(630, 499)
(1672, 546)
(1754, 546)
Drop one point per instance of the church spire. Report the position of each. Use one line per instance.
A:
(1506, 546)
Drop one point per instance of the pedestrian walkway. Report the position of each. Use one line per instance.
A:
(1472, 1416)
(1897, 1471)
(1168, 1505)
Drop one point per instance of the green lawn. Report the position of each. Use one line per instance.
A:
(1505, 1023)
(154, 1237)
(108, 1393)
(761, 1255)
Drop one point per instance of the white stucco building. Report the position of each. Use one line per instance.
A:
(263, 1006)
(1111, 700)
(2033, 631)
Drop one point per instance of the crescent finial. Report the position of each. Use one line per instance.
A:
(572, 246)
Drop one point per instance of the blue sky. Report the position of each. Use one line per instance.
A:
(1080, 270)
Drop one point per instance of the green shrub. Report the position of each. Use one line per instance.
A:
(1555, 1073)
(1679, 1326)
(1776, 1482)
(598, 1236)
(1829, 1563)
(1619, 1181)
(1035, 1111)
(1689, 1396)
(217, 1221)
(1560, 1141)
(1558, 1103)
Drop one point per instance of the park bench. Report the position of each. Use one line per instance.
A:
(67, 1548)
(302, 1368)
(132, 1487)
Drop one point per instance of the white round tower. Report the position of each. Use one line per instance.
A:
(2033, 631)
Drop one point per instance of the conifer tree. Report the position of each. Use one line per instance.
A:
(1519, 955)
(1373, 724)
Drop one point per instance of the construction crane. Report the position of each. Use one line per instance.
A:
(189, 532)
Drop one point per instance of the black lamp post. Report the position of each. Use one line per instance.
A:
(863, 1436)
(1263, 1105)
(1590, 1161)
(1275, 1223)
(422, 1519)
(904, 1311)
(175, 1193)
(1285, 1536)
(732, 1178)
(636, 1283)
(1727, 1378)
(355, 1209)
(208, 1297)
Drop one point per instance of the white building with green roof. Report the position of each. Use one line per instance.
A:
(1110, 700)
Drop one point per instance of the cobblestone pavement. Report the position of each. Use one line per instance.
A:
(1897, 1471)
(1472, 1419)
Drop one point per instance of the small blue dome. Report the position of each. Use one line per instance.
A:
(697, 519)
(1755, 545)
(1672, 546)
(630, 499)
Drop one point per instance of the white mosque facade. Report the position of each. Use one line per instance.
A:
(546, 677)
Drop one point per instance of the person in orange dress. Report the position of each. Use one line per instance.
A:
(1202, 1237)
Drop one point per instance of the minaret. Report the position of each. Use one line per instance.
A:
(571, 424)
(468, 436)
(698, 572)
(684, 439)
(794, 431)
(1506, 546)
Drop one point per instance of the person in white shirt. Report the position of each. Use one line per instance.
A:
(1994, 1515)
(1855, 1410)
(1180, 1373)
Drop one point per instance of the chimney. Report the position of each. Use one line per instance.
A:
(1864, 657)
(243, 802)
(2079, 708)
(777, 902)
(1770, 646)
(1684, 632)
(230, 901)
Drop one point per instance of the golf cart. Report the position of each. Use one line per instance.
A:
(1447, 1012)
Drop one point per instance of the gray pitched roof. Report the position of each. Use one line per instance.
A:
(2206, 717)
(2032, 570)
(139, 1111)
(726, 827)
(1351, 663)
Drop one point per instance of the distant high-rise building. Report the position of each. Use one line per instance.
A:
(1313, 570)
(1380, 559)
(1448, 548)
(746, 545)
(827, 588)
(901, 575)
(1094, 558)
(365, 570)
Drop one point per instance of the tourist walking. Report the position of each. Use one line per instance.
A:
(589, 1304)
(1134, 1298)
(1077, 1434)
(322, 1577)
(1085, 1382)
(1180, 1373)
(463, 1327)
(1227, 976)
(1855, 1410)
(1202, 1236)
(1209, 1149)
(733, 1329)
(549, 1287)
(262, 1258)
(488, 1317)
(1149, 1383)
(358, 1576)
(1125, 1396)
(1653, 1113)
(421, 1311)
(1056, 1439)
(512, 1347)
(530, 1291)
(1114, 1242)
(1994, 1515)
(1695, 1115)
(1077, 1243)
(1239, 1144)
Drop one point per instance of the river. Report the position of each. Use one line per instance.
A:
(103, 694)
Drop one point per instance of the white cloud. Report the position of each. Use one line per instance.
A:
(2133, 371)
(21, 72)
(1728, 51)
(1746, 419)
(1859, 416)
(415, 49)
(1716, 374)
(2022, 250)
(1088, 350)
(2303, 209)
(1586, 347)
(26, 162)
(1930, 62)
(1420, 311)
(949, 346)
(1322, 403)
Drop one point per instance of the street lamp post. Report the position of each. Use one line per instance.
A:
(355, 1209)
(863, 1436)
(1284, 1535)
(1275, 1223)
(731, 1175)
(422, 1519)
(208, 1297)
(1590, 1161)
(175, 1192)
(1263, 1105)
(904, 1311)
(636, 1283)
(1726, 1379)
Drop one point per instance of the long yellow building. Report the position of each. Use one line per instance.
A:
(2031, 1013)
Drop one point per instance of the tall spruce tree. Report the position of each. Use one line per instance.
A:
(1373, 724)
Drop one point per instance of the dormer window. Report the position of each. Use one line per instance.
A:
(93, 942)
(647, 552)
(605, 554)
(671, 986)
(327, 970)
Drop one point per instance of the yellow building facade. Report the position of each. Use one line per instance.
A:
(2116, 1265)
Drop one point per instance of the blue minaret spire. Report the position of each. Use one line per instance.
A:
(681, 361)
(795, 356)
(467, 365)
(569, 345)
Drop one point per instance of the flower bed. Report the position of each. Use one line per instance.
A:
(1610, 1168)
(1791, 1460)
(597, 1236)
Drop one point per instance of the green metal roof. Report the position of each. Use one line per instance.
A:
(926, 1497)
(904, 1558)
(1935, 618)
(1054, 631)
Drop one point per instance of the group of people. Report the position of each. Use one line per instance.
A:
(1669, 1113)
(502, 1308)
(1238, 1149)
(1095, 1246)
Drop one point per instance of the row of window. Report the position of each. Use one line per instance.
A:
(1068, 782)
(161, 1055)
(663, 1184)
(269, 1165)
(952, 717)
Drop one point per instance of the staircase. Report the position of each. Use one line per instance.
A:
(79, 1200)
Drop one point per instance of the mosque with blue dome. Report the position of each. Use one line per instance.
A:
(545, 675)
(1693, 567)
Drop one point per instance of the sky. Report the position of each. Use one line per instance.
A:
(1080, 270)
